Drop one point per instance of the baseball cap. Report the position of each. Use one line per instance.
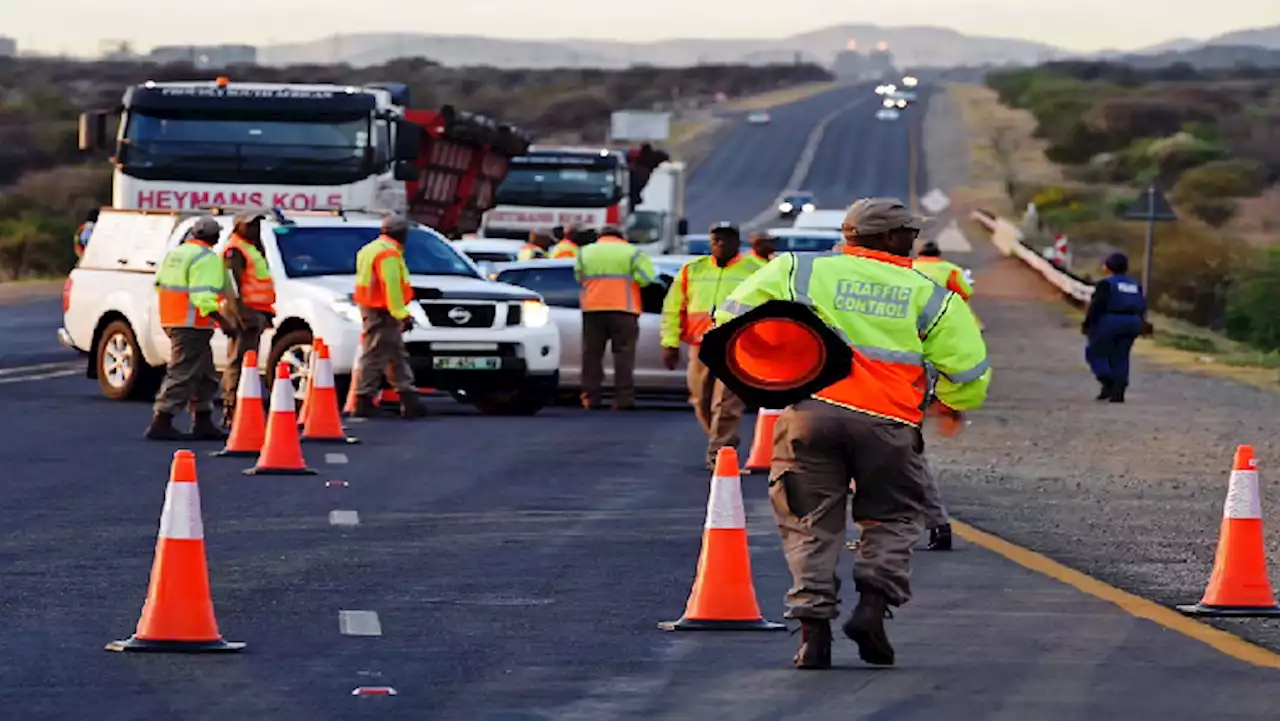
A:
(247, 218)
(206, 228)
(871, 216)
(395, 224)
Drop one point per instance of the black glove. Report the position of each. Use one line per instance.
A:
(270, 320)
(406, 325)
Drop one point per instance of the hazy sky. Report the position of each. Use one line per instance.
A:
(76, 26)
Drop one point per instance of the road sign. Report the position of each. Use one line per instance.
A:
(951, 240)
(1151, 205)
(935, 201)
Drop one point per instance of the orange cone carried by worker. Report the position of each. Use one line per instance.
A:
(1239, 585)
(248, 426)
(177, 616)
(324, 423)
(723, 596)
(305, 411)
(761, 455)
(282, 451)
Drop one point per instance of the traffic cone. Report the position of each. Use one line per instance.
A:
(282, 450)
(324, 423)
(248, 427)
(1238, 585)
(762, 441)
(305, 411)
(177, 616)
(349, 406)
(389, 396)
(723, 596)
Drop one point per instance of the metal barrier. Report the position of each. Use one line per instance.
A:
(1008, 239)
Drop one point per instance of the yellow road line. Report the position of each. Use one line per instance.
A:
(1223, 642)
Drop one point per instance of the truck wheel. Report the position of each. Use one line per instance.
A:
(294, 349)
(123, 374)
(520, 402)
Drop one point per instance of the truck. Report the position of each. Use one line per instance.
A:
(551, 187)
(294, 146)
(488, 344)
(658, 224)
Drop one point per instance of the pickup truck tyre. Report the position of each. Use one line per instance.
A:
(518, 402)
(123, 373)
(290, 347)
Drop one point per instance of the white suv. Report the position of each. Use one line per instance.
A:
(489, 344)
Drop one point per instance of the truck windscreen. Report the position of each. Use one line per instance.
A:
(316, 251)
(644, 227)
(562, 187)
(240, 149)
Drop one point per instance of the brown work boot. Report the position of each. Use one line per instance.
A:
(940, 538)
(365, 407)
(411, 406)
(161, 429)
(815, 644)
(865, 627)
(204, 429)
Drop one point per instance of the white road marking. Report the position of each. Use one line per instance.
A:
(40, 367)
(359, 623)
(344, 518)
(336, 459)
(41, 377)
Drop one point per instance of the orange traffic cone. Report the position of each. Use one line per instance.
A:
(178, 614)
(305, 411)
(324, 424)
(723, 596)
(762, 441)
(282, 451)
(349, 406)
(388, 397)
(1238, 585)
(248, 426)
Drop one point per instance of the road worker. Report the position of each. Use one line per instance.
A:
(763, 246)
(189, 283)
(83, 232)
(943, 272)
(611, 272)
(866, 426)
(1116, 317)
(702, 284)
(383, 293)
(568, 245)
(537, 248)
(251, 309)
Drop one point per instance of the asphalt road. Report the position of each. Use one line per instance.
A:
(27, 334)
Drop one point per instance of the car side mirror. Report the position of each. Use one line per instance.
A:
(682, 228)
(408, 140)
(93, 130)
(404, 170)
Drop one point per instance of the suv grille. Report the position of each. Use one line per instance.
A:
(459, 315)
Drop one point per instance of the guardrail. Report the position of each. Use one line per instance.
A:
(1008, 238)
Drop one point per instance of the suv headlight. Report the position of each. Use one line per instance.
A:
(346, 309)
(534, 314)
(785, 207)
(809, 207)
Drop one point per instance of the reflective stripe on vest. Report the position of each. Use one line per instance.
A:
(705, 285)
(565, 249)
(257, 289)
(531, 252)
(186, 270)
(608, 276)
(371, 289)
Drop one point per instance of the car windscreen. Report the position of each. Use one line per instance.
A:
(331, 250)
(804, 243)
(570, 187)
(697, 245)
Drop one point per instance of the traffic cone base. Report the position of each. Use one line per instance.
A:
(248, 427)
(723, 596)
(134, 643)
(761, 455)
(282, 451)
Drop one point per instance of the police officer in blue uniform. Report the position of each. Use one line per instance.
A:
(1116, 317)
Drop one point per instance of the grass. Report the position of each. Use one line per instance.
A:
(30, 289)
(778, 97)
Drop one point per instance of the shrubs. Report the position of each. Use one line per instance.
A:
(1252, 316)
(1235, 178)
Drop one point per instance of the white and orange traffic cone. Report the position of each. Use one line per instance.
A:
(761, 455)
(248, 427)
(1239, 585)
(349, 407)
(309, 381)
(723, 596)
(324, 424)
(177, 616)
(282, 450)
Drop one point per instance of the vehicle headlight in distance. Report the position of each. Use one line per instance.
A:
(785, 207)
(346, 309)
(809, 207)
(534, 314)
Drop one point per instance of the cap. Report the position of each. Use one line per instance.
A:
(613, 231)
(872, 216)
(395, 224)
(1117, 263)
(930, 248)
(206, 228)
(247, 218)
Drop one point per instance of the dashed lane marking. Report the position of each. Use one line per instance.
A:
(39, 372)
(359, 623)
(1223, 642)
(344, 518)
(335, 459)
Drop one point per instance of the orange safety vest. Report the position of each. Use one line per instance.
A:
(257, 288)
(609, 269)
(177, 280)
(565, 249)
(371, 288)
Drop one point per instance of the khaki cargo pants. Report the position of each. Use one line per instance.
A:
(383, 351)
(817, 448)
(248, 337)
(719, 410)
(191, 379)
(935, 513)
(620, 331)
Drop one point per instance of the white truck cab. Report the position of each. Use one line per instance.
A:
(489, 344)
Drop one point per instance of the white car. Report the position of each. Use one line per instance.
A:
(490, 344)
(486, 252)
(759, 118)
(820, 220)
(887, 114)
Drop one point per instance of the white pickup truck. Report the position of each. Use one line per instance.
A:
(489, 344)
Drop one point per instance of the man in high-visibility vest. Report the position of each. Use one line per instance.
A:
(251, 309)
(943, 272)
(537, 248)
(763, 246)
(568, 247)
(611, 272)
(188, 285)
(383, 293)
(866, 426)
(84, 231)
(702, 284)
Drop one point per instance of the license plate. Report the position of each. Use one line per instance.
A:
(466, 363)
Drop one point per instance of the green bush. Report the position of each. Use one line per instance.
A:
(1214, 211)
(1253, 310)
(1235, 178)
